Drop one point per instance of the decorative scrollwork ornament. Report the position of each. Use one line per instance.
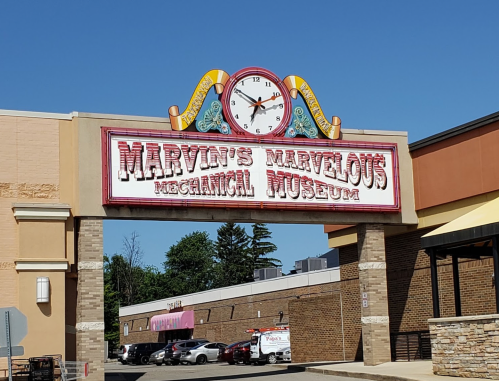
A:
(301, 125)
(213, 120)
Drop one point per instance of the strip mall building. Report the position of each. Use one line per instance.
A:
(65, 173)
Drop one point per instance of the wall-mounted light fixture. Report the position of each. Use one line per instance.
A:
(281, 314)
(42, 289)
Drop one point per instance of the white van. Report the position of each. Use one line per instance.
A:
(266, 342)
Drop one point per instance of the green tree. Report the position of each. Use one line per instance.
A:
(111, 316)
(189, 264)
(154, 286)
(260, 247)
(234, 261)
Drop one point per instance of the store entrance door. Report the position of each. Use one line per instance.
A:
(175, 335)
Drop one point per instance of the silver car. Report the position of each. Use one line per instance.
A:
(201, 353)
(284, 354)
(123, 353)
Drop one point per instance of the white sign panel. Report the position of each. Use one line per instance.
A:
(212, 170)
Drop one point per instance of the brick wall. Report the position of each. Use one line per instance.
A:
(222, 322)
(409, 282)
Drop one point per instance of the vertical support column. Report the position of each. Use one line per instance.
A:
(457, 288)
(90, 301)
(495, 255)
(374, 294)
(434, 283)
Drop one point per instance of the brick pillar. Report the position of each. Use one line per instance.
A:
(90, 302)
(373, 294)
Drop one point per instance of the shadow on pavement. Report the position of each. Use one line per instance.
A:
(241, 376)
(311, 364)
(118, 376)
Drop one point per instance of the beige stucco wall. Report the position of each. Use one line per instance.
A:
(46, 321)
(90, 182)
(29, 152)
(44, 239)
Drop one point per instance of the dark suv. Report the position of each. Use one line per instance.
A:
(139, 353)
(178, 347)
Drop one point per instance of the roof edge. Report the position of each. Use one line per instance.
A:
(477, 123)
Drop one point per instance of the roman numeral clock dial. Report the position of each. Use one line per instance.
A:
(255, 102)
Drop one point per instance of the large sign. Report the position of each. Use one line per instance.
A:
(170, 168)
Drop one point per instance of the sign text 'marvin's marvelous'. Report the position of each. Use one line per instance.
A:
(173, 169)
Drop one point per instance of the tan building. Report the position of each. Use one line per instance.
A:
(62, 177)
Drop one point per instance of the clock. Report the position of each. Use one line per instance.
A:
(256, 102)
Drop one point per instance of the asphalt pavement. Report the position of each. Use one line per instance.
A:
(212, 372)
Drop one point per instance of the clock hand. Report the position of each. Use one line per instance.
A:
(255, 110)
(237, 91)
(259, 103)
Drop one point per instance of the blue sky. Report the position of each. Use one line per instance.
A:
(421, 67)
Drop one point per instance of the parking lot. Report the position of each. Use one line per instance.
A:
(210, 372)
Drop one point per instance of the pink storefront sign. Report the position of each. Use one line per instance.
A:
(174, 320)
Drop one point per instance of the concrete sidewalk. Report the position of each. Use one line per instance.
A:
(391, 371)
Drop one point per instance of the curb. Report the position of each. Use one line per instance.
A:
(343, 373)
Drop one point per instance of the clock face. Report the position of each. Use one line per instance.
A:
(255, 102)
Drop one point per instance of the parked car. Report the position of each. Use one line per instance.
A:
(201, 353)
(123, 353)
(140, 353)
(158, 357)
(180, 346)
(227, 353)
(284, 355)
(242, 353)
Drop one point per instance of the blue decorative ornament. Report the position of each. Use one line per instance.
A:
(301, 125)
(213, 120)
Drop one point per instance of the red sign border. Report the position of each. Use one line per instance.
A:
(108, 200)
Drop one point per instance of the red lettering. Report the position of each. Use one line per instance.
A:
(320, 190)
(378, 162)
(153, 163)
(203, 152)
(231, 175)
(216, 156)
(217, 184)
(289, 161)
(293, 185)
(172, 159)
(244, 156)
(353, 168)
(316, 160)
(205, 186)
(190, 155)
(340, 175)
(275, 184)
(194, 186)
(130, 160)
(308, 187)
(274, 157)
(303, 160)
(334, 192)
(350, 194)
(366, 161)
(250, 190)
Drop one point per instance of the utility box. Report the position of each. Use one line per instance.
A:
(310, 264)
(267, 273)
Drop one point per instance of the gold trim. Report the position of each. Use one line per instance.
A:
(296, 84)
(217, 78)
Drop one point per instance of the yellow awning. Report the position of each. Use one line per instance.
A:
(484, 215)
(481, 223)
